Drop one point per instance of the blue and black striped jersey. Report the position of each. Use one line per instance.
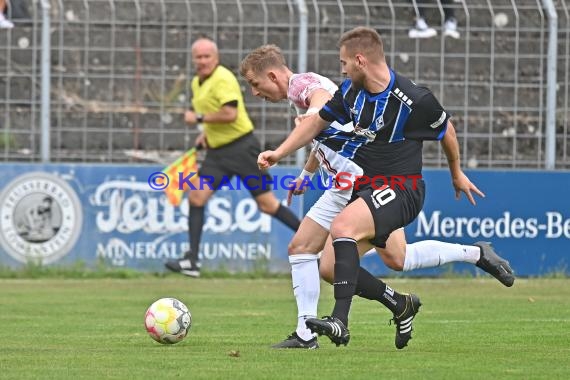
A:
(389, 127)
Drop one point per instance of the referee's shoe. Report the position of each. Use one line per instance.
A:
(184, 266)
(495, 265)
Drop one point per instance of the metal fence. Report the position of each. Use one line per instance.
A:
(120, 72)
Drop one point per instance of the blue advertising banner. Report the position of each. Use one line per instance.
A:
(59, 214)
(525, 214)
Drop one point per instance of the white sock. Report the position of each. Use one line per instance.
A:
(306, 288)
(433, 253)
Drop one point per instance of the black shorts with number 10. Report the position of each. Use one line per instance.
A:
(393, 207)
(238, 158)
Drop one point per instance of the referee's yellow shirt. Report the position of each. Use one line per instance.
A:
(208, 97)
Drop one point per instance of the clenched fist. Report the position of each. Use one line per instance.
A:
(267, 159)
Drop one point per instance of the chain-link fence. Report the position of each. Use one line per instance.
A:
(120, 72)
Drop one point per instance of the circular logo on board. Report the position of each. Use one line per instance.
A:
(40, 218)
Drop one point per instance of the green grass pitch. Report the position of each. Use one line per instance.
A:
(466, 329)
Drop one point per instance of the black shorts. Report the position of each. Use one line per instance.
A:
(393, 208)
(238, 158)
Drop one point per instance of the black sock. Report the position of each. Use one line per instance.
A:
(372, 288)
(286, 216)
(195, 225)
(346, 267)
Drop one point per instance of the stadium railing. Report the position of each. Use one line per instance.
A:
(120, 72)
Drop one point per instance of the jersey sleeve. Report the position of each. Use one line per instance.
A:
(227, 90)
(336, 109)
(428, 119)
(301, 88)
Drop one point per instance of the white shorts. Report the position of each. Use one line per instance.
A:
(327, 207)
(335, 199)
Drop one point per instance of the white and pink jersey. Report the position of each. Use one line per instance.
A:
(301, 86)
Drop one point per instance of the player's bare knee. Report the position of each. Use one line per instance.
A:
(397, 264)
(394, 262)
(264, 208)
(341, 229)
(299, 246)
(293, 248)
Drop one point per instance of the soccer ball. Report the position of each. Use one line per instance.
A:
(167, 321)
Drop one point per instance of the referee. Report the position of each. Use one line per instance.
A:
(232, 149)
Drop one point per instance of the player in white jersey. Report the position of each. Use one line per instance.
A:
(266, 71)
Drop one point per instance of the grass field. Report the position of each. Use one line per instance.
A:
(467, 328)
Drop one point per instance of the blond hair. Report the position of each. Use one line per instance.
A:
(363, 40)
(262, 58)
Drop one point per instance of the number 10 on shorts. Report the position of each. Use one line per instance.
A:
(383, 196)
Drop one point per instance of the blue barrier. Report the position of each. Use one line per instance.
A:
(60, 214)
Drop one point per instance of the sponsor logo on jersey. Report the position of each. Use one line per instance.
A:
(379, 122)
(359, 131)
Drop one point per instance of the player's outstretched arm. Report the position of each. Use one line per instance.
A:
(303, 134)
(460, 181)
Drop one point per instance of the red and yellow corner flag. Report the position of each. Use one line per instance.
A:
(182, 167)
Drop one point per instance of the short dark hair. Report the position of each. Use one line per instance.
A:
(363, 40)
